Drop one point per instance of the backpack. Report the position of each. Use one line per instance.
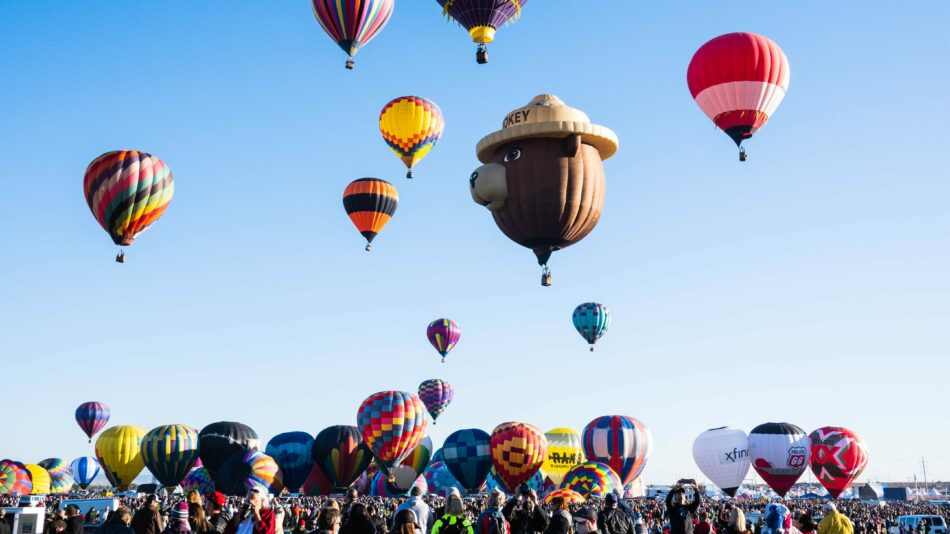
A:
(448, 527)
(494, 523)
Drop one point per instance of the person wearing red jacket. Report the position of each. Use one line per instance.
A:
(257, 517)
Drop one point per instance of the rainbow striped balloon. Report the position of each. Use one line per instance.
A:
(60, 473)
(411, 126)
(14, 478)
(127, 191)
(592, 479)
(570, 496)
(198, 479)
(352, 23)
(264, 472)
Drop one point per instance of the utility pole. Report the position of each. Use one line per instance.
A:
(923, 464)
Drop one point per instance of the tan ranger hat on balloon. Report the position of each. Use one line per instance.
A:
(547, 116)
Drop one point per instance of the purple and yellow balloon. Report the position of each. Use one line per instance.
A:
(436, 394)
(443, 334)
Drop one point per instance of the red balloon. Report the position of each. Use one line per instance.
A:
(517, 452)
(838, 456)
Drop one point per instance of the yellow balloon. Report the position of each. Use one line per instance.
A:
(119, 450)
(411, 126)
(41, 479)
(565, 450)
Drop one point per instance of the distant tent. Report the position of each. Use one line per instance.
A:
(871, 492)
(810, 496)
(148, 488)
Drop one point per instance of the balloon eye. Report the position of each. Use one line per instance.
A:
(472, 178)
(513, 154)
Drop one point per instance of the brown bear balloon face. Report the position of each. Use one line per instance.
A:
(545, 190)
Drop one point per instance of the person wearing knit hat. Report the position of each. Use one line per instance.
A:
(543, 176)
(178, 519)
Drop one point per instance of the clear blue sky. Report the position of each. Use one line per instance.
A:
(807, 285)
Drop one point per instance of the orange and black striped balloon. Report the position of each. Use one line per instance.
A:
(370, 203)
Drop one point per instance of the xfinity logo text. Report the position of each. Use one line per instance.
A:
(733, 456)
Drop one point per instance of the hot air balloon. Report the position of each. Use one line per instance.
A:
(317, 482)
(84, 470)
(621, 442)
(436, 394)
(482, 18)
(293, 452)
(92, 417)
(570, 496)
(392, 423)
(440, 480)
(738, 80)
(370, 203)
(517, 452)
(838, 457)
(779, 453)
(198, 479)
(592, 479)
(467, 455)
(419, 458)
(591, 321)
(14, 478)
(341, 456)
(443, 334)
(543, 177)
(411, 126)
(244, 471)
(119, 450)
(722, 454)
(565, 450)
(352, 23)
(42, 482)
(536, 482)
(403, 480)
(222, 440)
(61, 477)
(170, 452)
(127, 191)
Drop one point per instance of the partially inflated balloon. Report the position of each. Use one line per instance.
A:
(436, 394)
(467, 455)
(127, 191)
(392, 423)
(370, 203)
(570, 496)
(517, 452)
(565, 450)
(170, 452)
(293, 453)
(42, 482)
(443, 334)
(536, 482)
(14, 478)
(838, 457)
(84, 470)
(242, 472)
(440, 480)
(591, 321)
(411, 126)
(317, 483)
(722, 454)
(61, 477)
(339, 453)
(482, 18)
(779, 454)
(419, 458)
(352, 23)
(592, 479)
(92, 417)
(222, 440)
(404, 480)
(198, 479)
(119, 450)
(621, 442)
(738, 80)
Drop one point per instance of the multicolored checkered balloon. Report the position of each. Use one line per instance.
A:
(392, 423)
(436, 394)
(591, 319)
(517, 452)
(60, 473)
(467, 455)
(592, 479)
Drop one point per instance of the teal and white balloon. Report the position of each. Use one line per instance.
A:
(591, 319)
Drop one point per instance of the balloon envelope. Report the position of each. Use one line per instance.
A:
(591, 320)
(198, 479)
(293, 452)
(443, 334)
(339, 453)
(436, 394)
(419, 458)
(565, 450)
(570, 496)
(838, 457)
(517, 452)
(92, 417)
(84, 470)
(119, 451)
(15, 478)
(592, 479)
(722, 454)
(391, 423)
(411, 126)
(482, 17)
(170, 452)
(621, 442)
(467, 455)
(243, 472)
(61, 476)
(779, 453)
(352, 23)
(222, 440)
(40, 478)
(370, 203)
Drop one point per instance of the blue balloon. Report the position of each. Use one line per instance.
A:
(292, 451)
(536, 482)
(84, 470)
(591, 320)
(467, 455)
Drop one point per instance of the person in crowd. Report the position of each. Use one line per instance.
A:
(613, 520)
(359, 521)
(453, 520)
(178, 520)
(681, 512)
(806, 524)
(425, 517)
(736, 524)
(328, 522)
(352, 497)
(405, 522)
(585, 521)
(279, 516)
(491, 520)
(92, 515)
(197, 520)
(256, 517)
(561, 521)
(74, 521)
(118, 522)
(147, 519)
(193, 497)
(524, 514)
(704, 526)
(214, 512)
(7, 527)
(834, 521)
(301, 526)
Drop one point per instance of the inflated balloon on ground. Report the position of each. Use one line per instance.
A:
(119, 451)
(722, 454)
(779, 453)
